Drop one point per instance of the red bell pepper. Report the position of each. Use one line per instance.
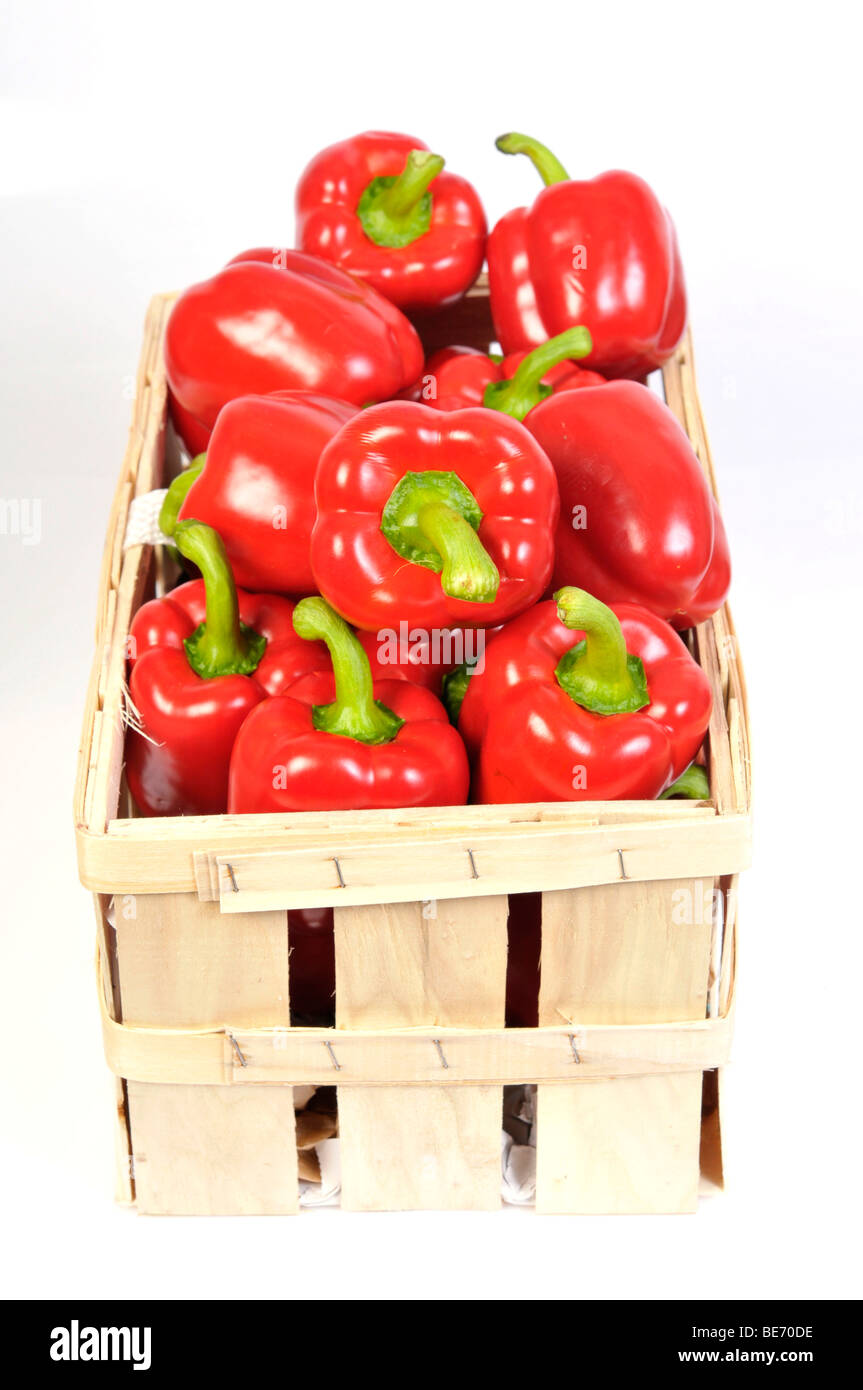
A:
(243, 509)
(524, 948)
(336, 742)
(578, 701)
(459, 377)
(379, 206)
(438, 520)
(312, 967)
(424, 658)
(200, 660)
(420, 389)
(602, 253)
(289, 323)
(258, 487)
(638, 522)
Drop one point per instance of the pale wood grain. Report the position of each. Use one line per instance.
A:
(213, 1150)
(207, 1149)
(322, 1056)
(183, 962)
(622, 954)
(287, 868)
(628, 1146)
(618, 955)
(127, 572)
(111, 1008)
(529, 860)
(403, 1147)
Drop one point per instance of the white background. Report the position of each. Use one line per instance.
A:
(143, 145)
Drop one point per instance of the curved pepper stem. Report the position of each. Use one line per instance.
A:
(222, 645)
(598, 673)
(354, 713)
(432, 519)
(421, 169)
(518, 394)
(179, 489)
(692, 783)
(546, 164)
(468, 570)
(394, 211)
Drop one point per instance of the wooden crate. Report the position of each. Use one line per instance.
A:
(637, 964)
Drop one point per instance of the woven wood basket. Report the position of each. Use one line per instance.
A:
(636, 993)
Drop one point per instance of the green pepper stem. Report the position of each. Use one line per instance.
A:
(222, 645)
(432, 519)
(546, 164)
(518, 394)
(177, 493)
(692, 783)
(454, 688)
(354, 713)
(468, 570)
(395, 211)
(421, 169)
(598, 673)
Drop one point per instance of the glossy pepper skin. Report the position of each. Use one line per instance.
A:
(257, 485)
(440, 520)
(379, 206)
(195, 675)
(581, 702)
(638, 522)
(340, 741)
(424, 658)
(297, 324)
(602, 253)
(457, 377)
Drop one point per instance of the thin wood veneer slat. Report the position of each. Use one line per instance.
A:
(617, 954)
(207, 1150)
(410, 1147)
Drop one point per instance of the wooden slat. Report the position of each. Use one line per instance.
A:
(142, 411)
(719, 769)
(109, 998)
(712, 1155)
(312, 826)
(213, 1150)
(717, 645)
(122, 581)
(323, 1056)
(628, 1146)
(162, 854)
(624, 954)
(410, 1147)
(110, 752)
(395, 866)
(206, 1149)
(85, 746)
(530, 860)
(182, 962)
(125, 573)
(124, 1184)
